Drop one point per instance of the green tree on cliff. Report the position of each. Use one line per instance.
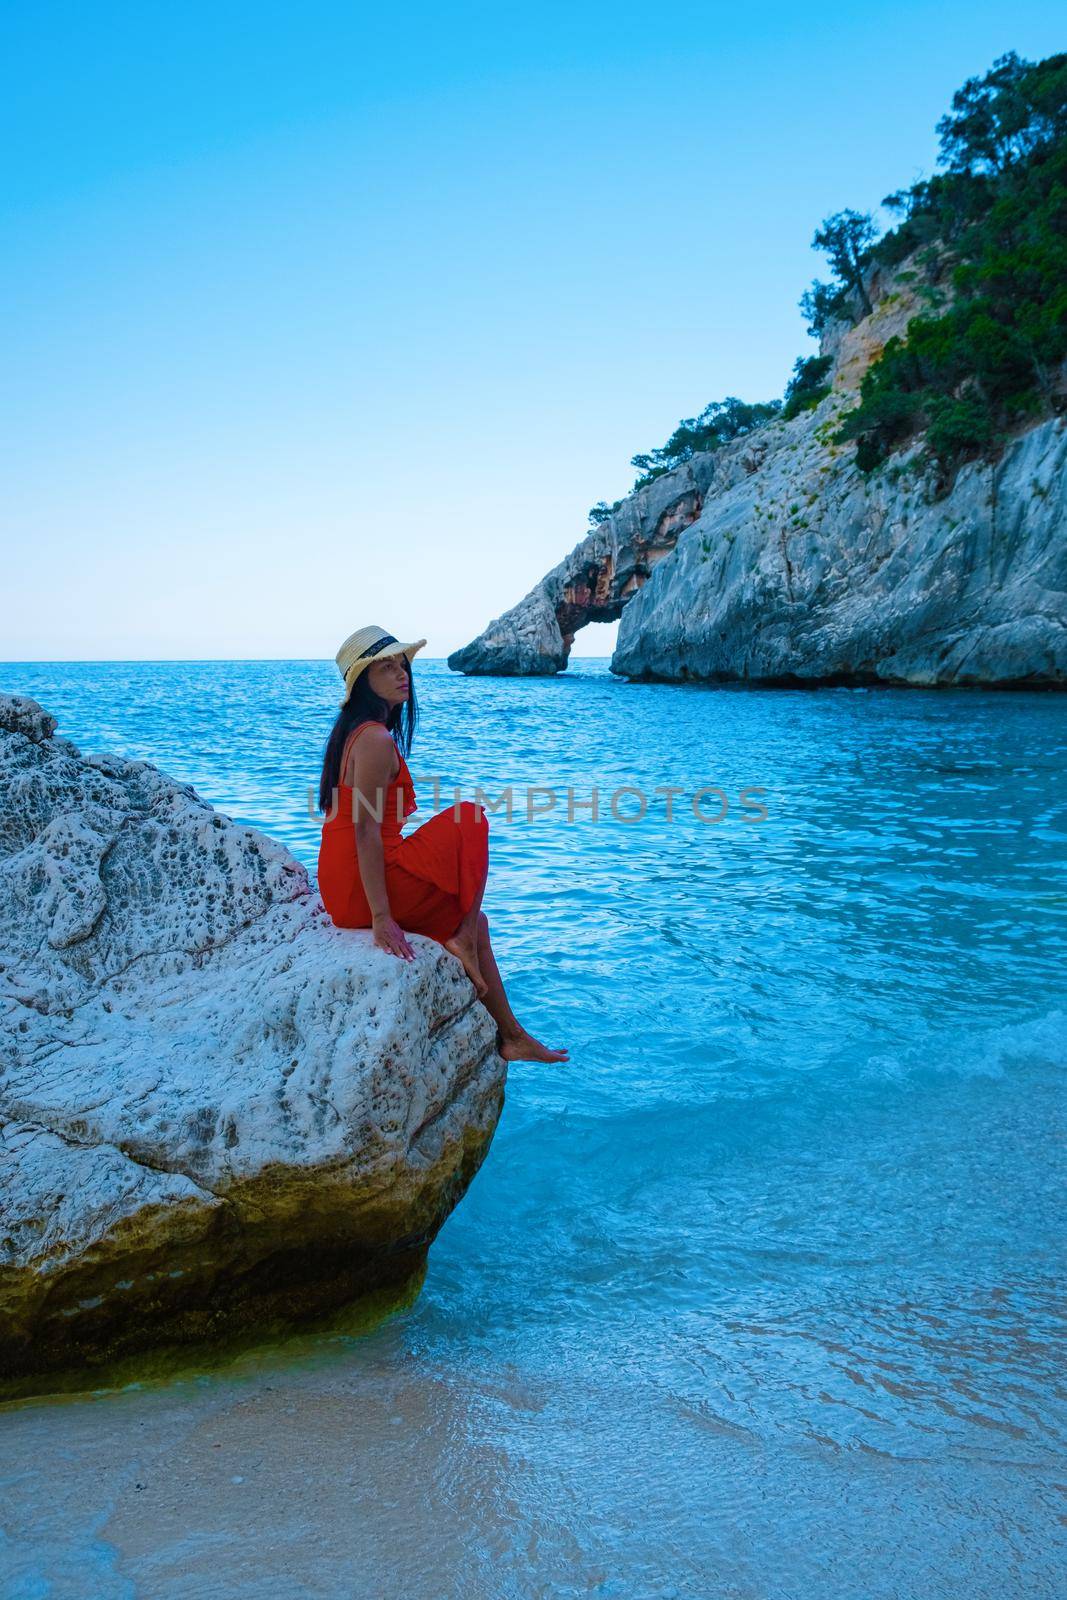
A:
(1005, 118)
(846, 238)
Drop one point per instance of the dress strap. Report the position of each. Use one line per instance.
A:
(371, 722)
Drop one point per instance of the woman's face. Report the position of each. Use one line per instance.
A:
(390, 678)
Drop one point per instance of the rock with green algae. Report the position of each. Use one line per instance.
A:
(217, 1110)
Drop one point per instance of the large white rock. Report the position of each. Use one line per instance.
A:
(216, 1108)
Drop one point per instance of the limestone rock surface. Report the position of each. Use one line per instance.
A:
(593, 583)
(804, 571)
(217, 1110)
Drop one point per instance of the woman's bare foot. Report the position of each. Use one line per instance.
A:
(467, 951)
(522, 1046)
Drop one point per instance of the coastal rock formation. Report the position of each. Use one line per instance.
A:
(794, 567)
(806, 572)
(217, 1110)
(593, 583)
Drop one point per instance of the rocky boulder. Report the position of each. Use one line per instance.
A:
(217, 1110)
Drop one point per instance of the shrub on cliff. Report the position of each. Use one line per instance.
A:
(806, 387)
(716, 425)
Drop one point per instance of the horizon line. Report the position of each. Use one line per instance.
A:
(157, 661)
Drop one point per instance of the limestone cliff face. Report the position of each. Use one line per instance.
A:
(594, 582)
(802, 571)
(785, 564)
(216, 1108)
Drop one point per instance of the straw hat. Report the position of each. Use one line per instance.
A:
(363, 647)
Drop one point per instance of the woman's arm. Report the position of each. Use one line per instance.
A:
(371, 764)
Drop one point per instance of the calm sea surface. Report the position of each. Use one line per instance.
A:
(757, 1296)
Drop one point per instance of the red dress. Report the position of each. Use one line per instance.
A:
(431, 876)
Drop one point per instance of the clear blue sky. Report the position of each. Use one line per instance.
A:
(318, 318)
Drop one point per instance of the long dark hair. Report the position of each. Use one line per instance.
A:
(363, 705)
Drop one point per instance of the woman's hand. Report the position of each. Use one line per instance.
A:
(389, 935)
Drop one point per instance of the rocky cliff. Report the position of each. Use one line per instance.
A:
(217, 1110)
(775, 560)
(594, 582)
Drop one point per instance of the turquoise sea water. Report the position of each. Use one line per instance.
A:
(759, 1294)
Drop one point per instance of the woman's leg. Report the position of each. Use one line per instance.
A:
(451, 852)
(466, 941)
(494, 999)
(513, 1041)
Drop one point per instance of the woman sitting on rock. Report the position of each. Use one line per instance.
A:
(372, 876)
